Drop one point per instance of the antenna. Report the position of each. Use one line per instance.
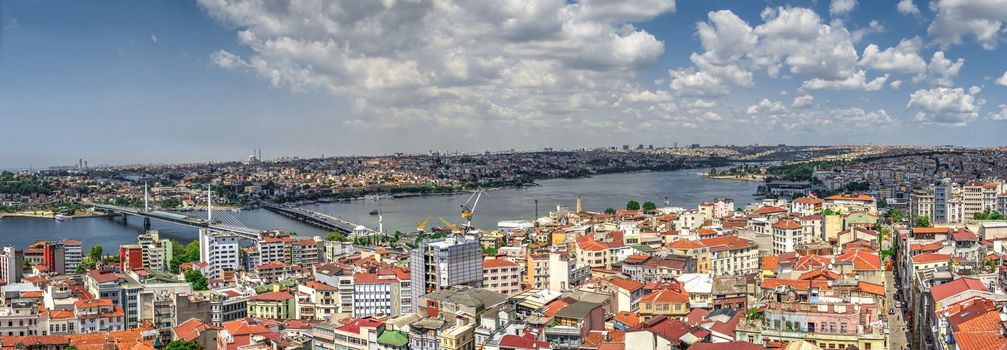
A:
(209, 206)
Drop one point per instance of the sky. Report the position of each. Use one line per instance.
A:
(117, 82)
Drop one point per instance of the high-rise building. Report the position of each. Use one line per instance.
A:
(443, 263)
(53, 257)
(219, 250)
(73, 253)
(156, 252)
(11, 265)
(386, 292)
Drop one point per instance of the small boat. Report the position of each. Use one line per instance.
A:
(61, 217)
(374, 212)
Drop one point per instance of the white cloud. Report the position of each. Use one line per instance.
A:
(841, 7)
(942, 70)
(1002, 80)
(797, 37)
(767, 107)
(907, 7)
(944, 106)
(1002, 115)
(903, 58)
(227, 60)
(802, 101)
(725, 38)
(858, 35)
(464, 64)
(956, 19)
(895, 84)
(711, 116)
(153, 38)
(857, 81)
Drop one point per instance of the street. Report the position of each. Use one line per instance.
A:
(896, 323)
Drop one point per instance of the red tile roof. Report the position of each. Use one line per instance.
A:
(191, 329)
(666, 296)
(498, 263)
(272, 296)
(955, 287)
(850, 197)
(786, 224)
(930, 258)
(861, 259)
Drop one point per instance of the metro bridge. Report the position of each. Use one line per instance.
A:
(225, 224)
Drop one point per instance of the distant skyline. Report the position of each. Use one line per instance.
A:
(119, 82)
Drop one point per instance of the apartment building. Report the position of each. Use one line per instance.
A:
(502, 276)
(220, 251)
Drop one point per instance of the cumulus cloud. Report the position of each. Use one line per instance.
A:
(958, 19)
(942, 70)
(841, 7)
(907, 7)
(945, 106)
(903, 58)
(858, 35)
(802, 101)
(455, 63)
(791, 40)
(857, 81)
(1002, 80)
(767, 107)
(1001, 115)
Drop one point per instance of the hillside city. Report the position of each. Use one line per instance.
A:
(845, 249)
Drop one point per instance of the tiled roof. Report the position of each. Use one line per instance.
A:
(930, 258)
(955, 287)
(497, 263)
(786, 224)
(862, 259)
(626, 284)
(666, 296)
(850, 197)
(272, 296)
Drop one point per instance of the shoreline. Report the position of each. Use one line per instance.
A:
(50, 215)
(734, 177)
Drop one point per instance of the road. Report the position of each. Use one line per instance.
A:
(896, 323)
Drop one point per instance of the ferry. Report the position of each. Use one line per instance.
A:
(61, 217)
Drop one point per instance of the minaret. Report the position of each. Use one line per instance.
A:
(146, 198)
(578, 205)
(381, 224)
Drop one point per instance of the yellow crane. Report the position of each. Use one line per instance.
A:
(453, 227)
(422, 225)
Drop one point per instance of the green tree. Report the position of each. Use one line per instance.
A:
(895, 214)
(610, 211)
(336, 236)
(633, 205)
(490, 251)
(183, 345)
(95, 252)
(923, 221)
(196, 279)
(649, 206)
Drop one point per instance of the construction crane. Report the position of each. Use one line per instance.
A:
(447, 223)
(469, 210)
(422, 225)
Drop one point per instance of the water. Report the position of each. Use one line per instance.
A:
(682, 188)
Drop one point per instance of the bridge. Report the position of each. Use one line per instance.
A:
(319, 220)
(215, 224)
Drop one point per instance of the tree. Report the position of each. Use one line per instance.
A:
(196, 279)
(923, 221)
(183, 345)
(649, 206)
(610, 211)
(633, 205)
(336, 236)
(95, 252)
(895, 214)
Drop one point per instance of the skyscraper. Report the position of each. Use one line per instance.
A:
(443, 263)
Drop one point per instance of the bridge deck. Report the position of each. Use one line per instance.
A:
(315, 218)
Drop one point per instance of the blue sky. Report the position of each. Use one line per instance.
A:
(172, 81)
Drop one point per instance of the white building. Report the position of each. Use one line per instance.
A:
(220, 251)
(387, 292)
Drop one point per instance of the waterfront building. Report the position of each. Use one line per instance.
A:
(220, 251)
(11, 265)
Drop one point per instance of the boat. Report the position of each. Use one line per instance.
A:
(61, 217)
(374, 212)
